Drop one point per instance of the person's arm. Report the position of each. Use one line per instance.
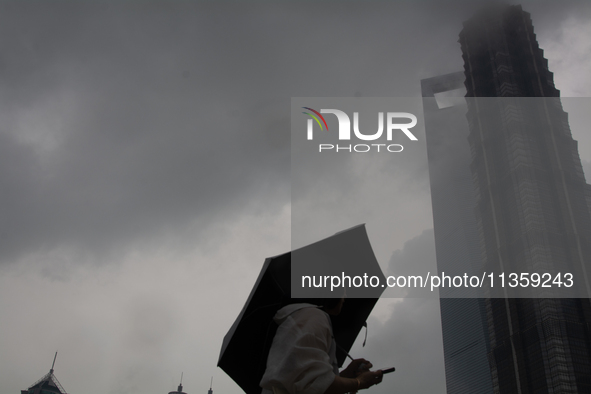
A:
(342, 385)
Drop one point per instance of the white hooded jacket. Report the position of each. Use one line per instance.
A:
(302, 358)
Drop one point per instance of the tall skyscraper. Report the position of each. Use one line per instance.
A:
(530, 205)
(464, 332)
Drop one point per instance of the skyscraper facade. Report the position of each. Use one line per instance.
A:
(530, 205)
(457, 250)
(508, 194)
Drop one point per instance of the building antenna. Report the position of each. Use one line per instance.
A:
(210, 391)
(52, 365)
(180, 388)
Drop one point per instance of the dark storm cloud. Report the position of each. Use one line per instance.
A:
(110, 133)
(122, 119)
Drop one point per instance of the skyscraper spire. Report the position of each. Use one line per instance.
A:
(210, 391)
(53, 364)
(180, 388)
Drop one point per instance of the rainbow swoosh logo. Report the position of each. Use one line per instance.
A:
(316, 118)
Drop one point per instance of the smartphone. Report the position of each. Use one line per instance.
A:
(388, 370)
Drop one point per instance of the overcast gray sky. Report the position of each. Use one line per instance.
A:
(145, 174)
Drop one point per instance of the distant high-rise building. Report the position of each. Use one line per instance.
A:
(531, 205)
(48, 384)
(465, 339)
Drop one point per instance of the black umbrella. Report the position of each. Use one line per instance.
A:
(246, 345)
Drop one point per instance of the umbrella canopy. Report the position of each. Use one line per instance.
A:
(246, 345)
